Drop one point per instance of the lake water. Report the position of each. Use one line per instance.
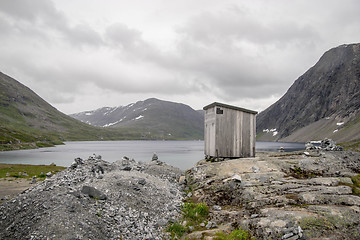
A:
(182, 154)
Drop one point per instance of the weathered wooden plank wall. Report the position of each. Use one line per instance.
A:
(210, 132)
(229, 132)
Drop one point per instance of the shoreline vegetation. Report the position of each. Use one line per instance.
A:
(44, 144)
(353, 145)
(15, 178)
(13, 170)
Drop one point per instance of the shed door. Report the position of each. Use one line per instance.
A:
(210, 132)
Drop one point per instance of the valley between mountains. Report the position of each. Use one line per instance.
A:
(300, 195)
(322, 103)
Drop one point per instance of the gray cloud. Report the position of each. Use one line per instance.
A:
(41, 19)
(26, 10)
(222, 50)
(235, 25)
(230, 50)
(84, 35)
(121, 35)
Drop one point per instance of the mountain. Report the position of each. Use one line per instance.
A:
(27, 121)
(152, 117)
(322, 103)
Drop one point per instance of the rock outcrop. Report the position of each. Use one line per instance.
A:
(322, 103)
(95, 199)
(282, 195)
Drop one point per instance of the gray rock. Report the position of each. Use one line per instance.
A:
(255, 169)
(126, 164)
(217, 208)
(75, 193)
(77, 162)
(33, 180)
(236, 178)
(290, 189)
(330, 145)
(300, 231)
(162, 222)
(93, 192)
(288, 235)
(182, 180)
(125, 168)
(211, 225)
(97, 169)
(142, 181)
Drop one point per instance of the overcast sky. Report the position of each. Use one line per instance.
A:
(84, 54)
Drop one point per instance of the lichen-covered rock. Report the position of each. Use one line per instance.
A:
(286, 196)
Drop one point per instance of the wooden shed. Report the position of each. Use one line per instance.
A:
(230, 131)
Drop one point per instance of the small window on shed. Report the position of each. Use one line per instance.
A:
(219, 111)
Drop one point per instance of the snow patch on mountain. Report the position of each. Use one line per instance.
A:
(113, 123)
(139, 117)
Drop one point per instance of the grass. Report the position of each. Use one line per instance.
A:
(356, 180)
(32, 170)
(193, 214)
(176, 230)
(327, 223)
(299, 173)
(355, 186)
(316, 224)
(237, 234)
(351, 145)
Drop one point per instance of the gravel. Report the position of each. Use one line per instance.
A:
(95, 199)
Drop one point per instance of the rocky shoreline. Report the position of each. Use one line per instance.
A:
(299, 195)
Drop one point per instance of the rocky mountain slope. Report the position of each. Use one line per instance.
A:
(149, 117)
(27, 121)
(322, 103)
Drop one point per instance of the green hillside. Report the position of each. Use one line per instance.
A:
(27, 121)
